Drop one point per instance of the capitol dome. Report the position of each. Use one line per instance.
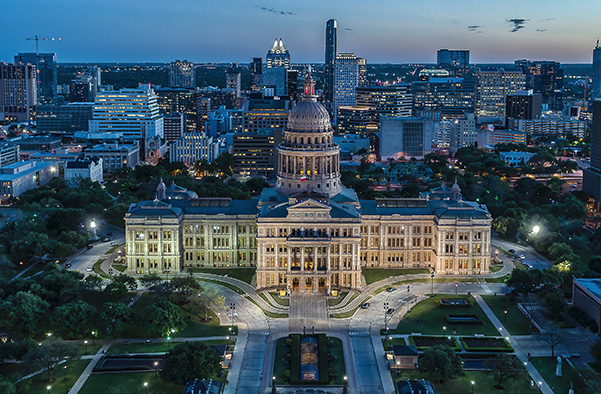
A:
(309, 116)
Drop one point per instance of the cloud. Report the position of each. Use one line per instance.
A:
(475, 28)
(346, 28)
(278, 12)
(518, 24)
(541, 30)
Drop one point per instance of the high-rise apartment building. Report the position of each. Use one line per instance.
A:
(173, 126)
(349, 73)
(182, 73)
(233, 81)
(386, 100)
(179, 100)
(330, 58)
(492, 90)
(523, 105)
(596, 85)
(453, 59)
(444, 97)
(591, 181)
(128, 113)
(463, 132)
(546, 78)
(18, 93)
(256, 69)
(47, 73)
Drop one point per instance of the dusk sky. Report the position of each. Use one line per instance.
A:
(395, 31)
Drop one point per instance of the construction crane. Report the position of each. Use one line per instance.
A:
(37, 58)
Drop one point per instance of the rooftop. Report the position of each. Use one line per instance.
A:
(593, 286)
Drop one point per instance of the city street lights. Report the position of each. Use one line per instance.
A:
(232, 308)
(536, 229)
(156, 368)
(85, 343)
(48, 389)
(93, 227)
(345, 389)
(146, 387)
(505, 314)
(385, 317)
(456, 289)
(473, 383)
(432, 276)
(273, 389)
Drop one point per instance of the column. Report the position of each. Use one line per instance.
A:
(302, 258)
(289, 262)
(328, 261)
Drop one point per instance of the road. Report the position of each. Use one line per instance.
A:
(86, 259)
(532, 257)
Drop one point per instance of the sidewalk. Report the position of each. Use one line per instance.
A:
(86, 373)
(521, 355)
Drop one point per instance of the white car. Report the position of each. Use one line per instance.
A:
(114, 244)
(89, 269)
(522, 257)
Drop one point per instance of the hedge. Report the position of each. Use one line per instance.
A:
(477, 322)
(322, 343)
(584, 319)
(441, 305)
(450, 342)
(504, 349)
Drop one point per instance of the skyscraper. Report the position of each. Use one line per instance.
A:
(493, 88)
(544, 77)
(256, 68)
(596, 87)
(591, 181)
(18, 94)
(453, 59)
(182, 73)
(278, 55)
(47, 73)
(232, 81)
(523, 105)
(331, 52)
(348, 74)
(274, 74)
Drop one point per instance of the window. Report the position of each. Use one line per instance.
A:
(166, 235)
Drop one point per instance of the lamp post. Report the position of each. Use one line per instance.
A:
(345, 389)
(273, 389)
(146, 387)
(85, 344)
(48, 389)
(156, 368)
(456, 289)
(168, 342)
(473, 383)
(432, 276)
(65, 371)
(505, 316)
(232, 308)
(93, 227)
(385, 317)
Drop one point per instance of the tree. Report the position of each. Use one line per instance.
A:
(552, 336)
(162, 317)
(503, 368)
(115, 291)
(595, 263)
(558, 249)
(21, 313)
(128, 280)
(50, 353)
(113, 316)
(225, 164)
(440, 362)
(209, 298)
(150, 280)
(555, 305)
(73, 320)
(521, 281)
(185, 286)
(189, 361)
(93, 282)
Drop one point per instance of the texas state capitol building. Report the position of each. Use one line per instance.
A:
(309, 233)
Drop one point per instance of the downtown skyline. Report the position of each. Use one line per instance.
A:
(235, 31)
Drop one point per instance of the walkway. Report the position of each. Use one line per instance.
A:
(86, 373)
(520, 353)
(308, 309)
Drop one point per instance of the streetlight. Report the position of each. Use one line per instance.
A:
(146, 387)
(456, 289)
(536, 229)
(48, 388)
(85, 343)
(273, 389)
(473, 383)
(231, 310)
(93, 336)
(505, 312)
(385, 317)
(93, 227)
(168, 342)
(156, 368)
(345, 389)
(432, 276)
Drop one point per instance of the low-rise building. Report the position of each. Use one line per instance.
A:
(9, 154)
(115, 156)
(84, 169)
(403, 357)
(515, 158)
(586, 295)
(22, 176)
(191, 147)
(492, 136)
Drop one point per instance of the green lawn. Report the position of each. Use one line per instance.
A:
(38, 384)
(244, 274)
(152, 347)
(268, 313)
(546, 366)
(428, 319)
(339, 299)
(127, 383)
(119, 267)
(338, 364)
(90, 348)
(375, 274)
(235, 289)
(280, 365)
(501, 279)
(388, 343)
(97, 269)
(280, 300)
(496, 268)
(514, 321)
(483, 383)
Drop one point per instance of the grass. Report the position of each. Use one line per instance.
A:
(152, 347)
(514, 320)
(90, 348)
(483, 383)
(428, 319)
(279, 361)
(268, 313)
(60, 385)
(501, 279)
(97, 269)
(337, 300)
(243, 274)
(111, 250)
(372, 275)
(119, 267)
(560, 384)
(126, 383)
(280, 300)
(496, 268)
(338, 364)
(219, 283)
(388, 343)
(344, 315)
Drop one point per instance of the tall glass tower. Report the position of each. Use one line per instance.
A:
(331, 51)
(596, 88)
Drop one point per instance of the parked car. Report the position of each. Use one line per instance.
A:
(390, 311)
(391, 289)
(365, 306)
(90, 246)
(511, 250)
(522, 257)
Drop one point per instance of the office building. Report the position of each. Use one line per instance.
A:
(84, 169)
(9, 154)
(596, 84)
(80, 92)
(591, 179)
(442, 130)
(453, 59)
(386, 100)
(586, 295)
(356, 120)
(330, 57)
(308, 234)
(114, 156)
(463, 132)
(492, 90)
(182, 100)
(546, 78)
(192, 147)
(349, 73)
(444, 97)
(64, 118)
(47, 68)
(406, 137)
(265, 114)
(292, 84)
(218, 97)
(37, 143)
(275, 81)
(255, 153)
(130, 113)
(18, 94)
(550, 126)
(492, 136)
(182, 73)
(21, 176)
(277, 56)
(256, 69)
(173, 126)
(523, 105)
(233, 81)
